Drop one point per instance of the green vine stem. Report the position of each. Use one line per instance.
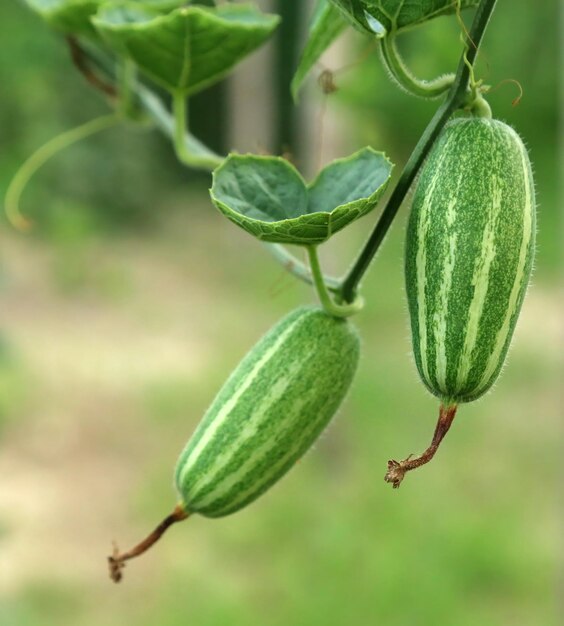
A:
(180, 110)
(337, 310)
(127, 77)
(458, 97)
(405, 79)
(41, 156)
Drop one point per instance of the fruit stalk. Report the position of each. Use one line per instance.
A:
(117, 561)
(398, 469)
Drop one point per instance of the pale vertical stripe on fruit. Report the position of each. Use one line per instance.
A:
(225, 411)
(254, 422)
(480, 281)
(423, 226)
(446, 284)
(258, 485)
(520, 276)
(252, 461)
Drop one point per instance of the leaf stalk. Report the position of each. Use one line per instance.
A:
(298, 269)
(330, 306)
(181, 145)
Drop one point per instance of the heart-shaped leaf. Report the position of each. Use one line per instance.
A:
(69, 16)
(381, 16)
(269, 199)
(353, 11)
(189, 48)
(163, 6)
(405, 14)
(73, 16)
(326, 25)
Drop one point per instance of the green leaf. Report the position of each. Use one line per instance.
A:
(404, 14)
(382, 16)
(73, 16)
(353, 12)
(189, 48)
(327, 24)
(268, 198)
(163, 6)
(69, 16)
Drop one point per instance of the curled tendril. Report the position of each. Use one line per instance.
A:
(40, 157)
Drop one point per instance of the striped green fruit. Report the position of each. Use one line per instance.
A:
(266, 416)
(268, 413)
(469, 253)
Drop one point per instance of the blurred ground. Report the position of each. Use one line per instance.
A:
(110, 377)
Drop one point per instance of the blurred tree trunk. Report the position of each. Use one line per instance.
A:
(288, 136)
(208, 112)
(263, 115)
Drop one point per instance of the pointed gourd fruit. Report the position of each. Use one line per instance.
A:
(266, 416)
(468, 258)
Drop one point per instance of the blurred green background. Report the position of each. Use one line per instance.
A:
(132, 299)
